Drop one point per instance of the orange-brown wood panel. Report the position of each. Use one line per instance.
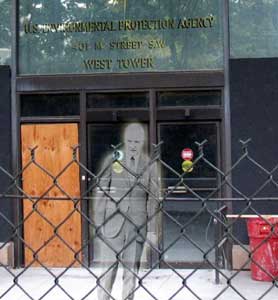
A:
(54, 153)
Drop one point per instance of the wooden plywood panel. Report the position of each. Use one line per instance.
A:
(54, 153)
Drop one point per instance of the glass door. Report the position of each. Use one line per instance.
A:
(108, 116)
(187, 232)
(101, 141)
(188, 229)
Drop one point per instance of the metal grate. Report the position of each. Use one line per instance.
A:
(124, 220)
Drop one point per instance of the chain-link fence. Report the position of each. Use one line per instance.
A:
(141, 230)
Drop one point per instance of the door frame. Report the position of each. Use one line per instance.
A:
(151, 83)
(19, 245)
(208, 114)
(219, 165)
(45, 124)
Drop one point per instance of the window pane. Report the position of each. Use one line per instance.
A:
(254, 28)
(178, 203)
(119, 36)
(119, 100)
(175, 138)
(50, 105)
(189, 98)
(5, 32)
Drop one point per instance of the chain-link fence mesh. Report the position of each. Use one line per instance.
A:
(142, 230)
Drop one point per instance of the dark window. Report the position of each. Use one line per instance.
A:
(180, 200)
(199, 98)
(119, 100)
(50, 105)
(175, 138)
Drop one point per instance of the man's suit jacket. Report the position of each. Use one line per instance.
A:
(121, 198)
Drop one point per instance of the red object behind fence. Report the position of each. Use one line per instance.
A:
(264, 246)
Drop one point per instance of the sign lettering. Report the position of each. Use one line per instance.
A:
(115, 37)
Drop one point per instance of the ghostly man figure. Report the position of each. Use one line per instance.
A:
(122, 210)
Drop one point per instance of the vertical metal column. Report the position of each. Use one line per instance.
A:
(227, 162)
(83, 159)
(18, 250)
(227, 114)
(154, 257)
(152, 117)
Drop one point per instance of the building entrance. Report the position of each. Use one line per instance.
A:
(169, 123)
(188, 229)
(178, 118)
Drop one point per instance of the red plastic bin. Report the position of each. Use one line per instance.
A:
(265, 253)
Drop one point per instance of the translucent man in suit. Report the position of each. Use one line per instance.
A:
(121, 210)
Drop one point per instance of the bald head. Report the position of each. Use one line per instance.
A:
(134, 138)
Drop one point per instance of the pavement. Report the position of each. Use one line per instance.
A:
(161, 284)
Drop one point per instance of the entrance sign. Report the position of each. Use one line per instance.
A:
(119, 36)
(187, 154)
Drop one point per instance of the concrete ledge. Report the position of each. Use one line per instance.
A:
(240, 257)
(7, 254)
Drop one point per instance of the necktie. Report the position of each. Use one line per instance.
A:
(132, 163)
